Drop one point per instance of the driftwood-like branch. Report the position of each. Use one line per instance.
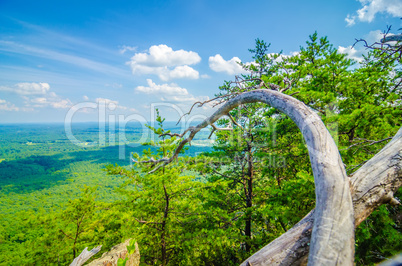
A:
(392, 38)
(372, 185)
(85, 255)
(363, 141)
(200, 104)
(391, 49)
(332, 241)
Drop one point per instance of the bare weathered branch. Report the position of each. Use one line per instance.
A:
(200, 104)
(392, 38)
(85, 255)
(371, 142)
(333, 231)
(372, 185)
(234, 121)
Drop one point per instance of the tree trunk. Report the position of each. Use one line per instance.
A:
(163, 234)
(372, 185)
(249, 198)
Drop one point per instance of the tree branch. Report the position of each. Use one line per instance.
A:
(372, 185)
(85, 255)
(332, 242)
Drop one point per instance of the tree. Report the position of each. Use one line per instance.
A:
(163, 206)
(309, 74)
(331, 181)
(77, 217)
(240, 138)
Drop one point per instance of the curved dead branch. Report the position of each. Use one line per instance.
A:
(392, 38)
(372, 185)
(332, 241)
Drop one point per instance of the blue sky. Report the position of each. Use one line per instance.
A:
(91, 60)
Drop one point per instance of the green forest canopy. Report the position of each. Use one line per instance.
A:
(219, 207)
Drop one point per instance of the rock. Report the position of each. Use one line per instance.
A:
(119, 251)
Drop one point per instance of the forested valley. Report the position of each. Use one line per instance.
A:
(213, 205)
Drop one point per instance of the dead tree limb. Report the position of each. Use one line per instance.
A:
(332, 240)
(392, 38)
(85, 255)
(372, 185)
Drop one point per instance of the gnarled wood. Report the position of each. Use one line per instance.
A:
(372, 185)
(85, 255)
(392, 38)
(332, 241)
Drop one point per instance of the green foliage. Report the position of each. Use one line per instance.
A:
(269, 162)
(380, 235)
(215, 208)
(37, 181)
(132, 248)
(163, 207)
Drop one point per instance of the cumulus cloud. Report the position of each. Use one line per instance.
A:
(26, 88)
(356, 53)
(106, 101)
(351, 53)
(180, 72)
(49, 100)
(163, 61)
(112, 104)
(231, 67)
(375, 36)
(371, 7)
(7, 106)
(163, 55)
(36, 95)
(169, 93)
(153, 88)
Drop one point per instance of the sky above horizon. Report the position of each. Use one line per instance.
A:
(74, 61)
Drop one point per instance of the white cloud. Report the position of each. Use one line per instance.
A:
(163, 55)
(126, 48)
(7, 106)
(49, 100)
(105, 101)
(112, 104)
(153, 88)
(170, 93)
(375, 36)
(371, 7)
(37, 95)
(356, 53)
(351, 53)
(350, 20)
(166, 63)
(179, 72)
(231, 67)
(165, 74)
(26, 88)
